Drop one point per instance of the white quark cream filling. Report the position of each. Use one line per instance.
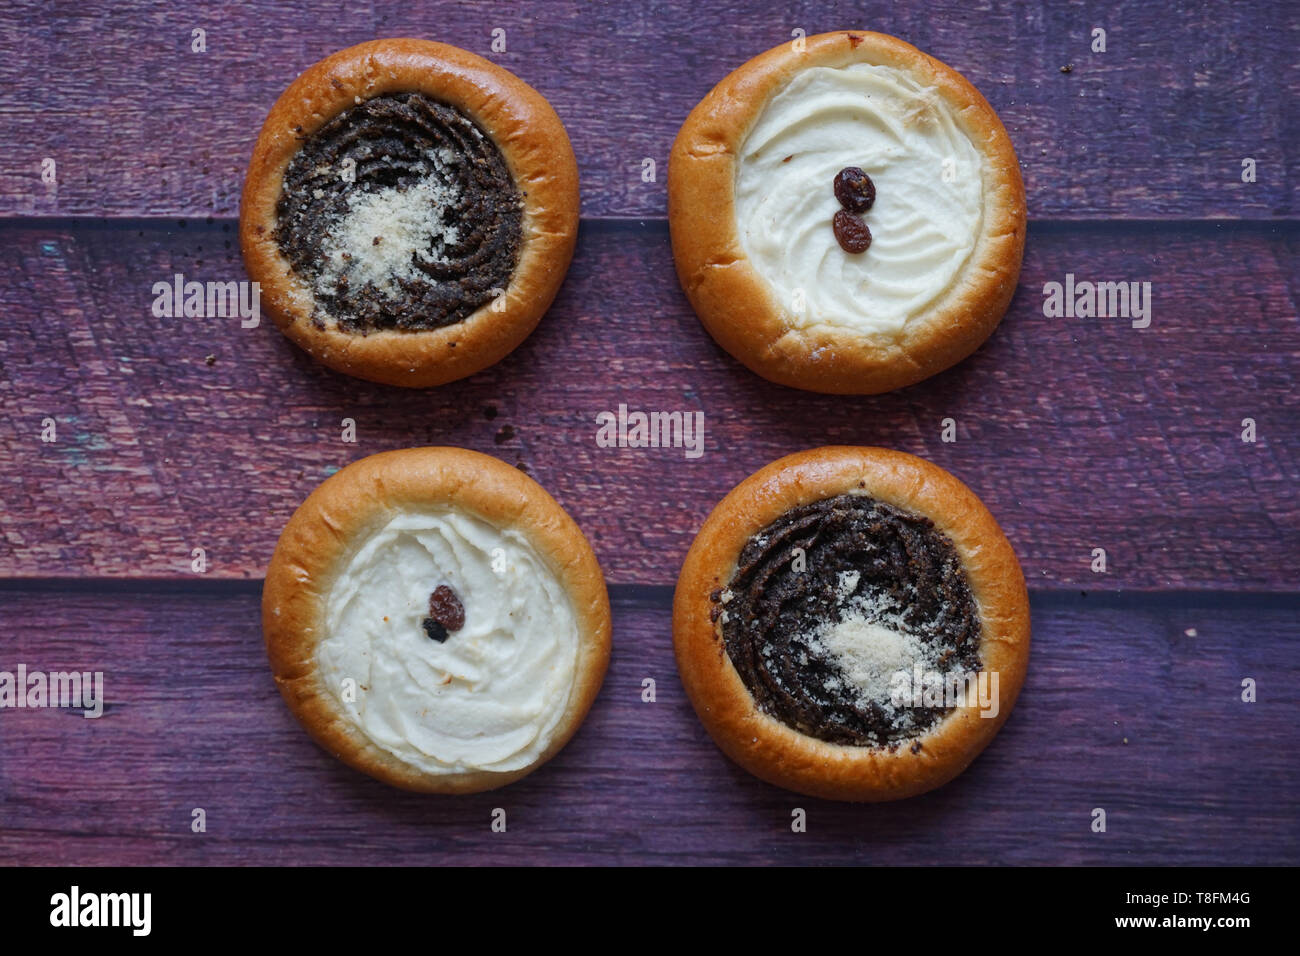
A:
(488, 698)
(929, 181)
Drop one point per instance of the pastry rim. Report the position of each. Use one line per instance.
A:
(742, 311)
(776, 752)
(536, 149)
(340, 515)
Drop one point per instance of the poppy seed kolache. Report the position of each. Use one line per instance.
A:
(410, 211)
(847, 214)
(435, 619)
(851, 623)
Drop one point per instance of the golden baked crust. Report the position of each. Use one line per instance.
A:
(781, 755)
(536, 150)
(739, 307)
(336, 519)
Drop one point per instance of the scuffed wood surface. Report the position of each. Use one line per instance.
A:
(1123, 710)
(1078, 433)
(1155, 127)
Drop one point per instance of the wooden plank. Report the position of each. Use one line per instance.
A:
(1078, 433)
(1129, 706)
(1154, 127)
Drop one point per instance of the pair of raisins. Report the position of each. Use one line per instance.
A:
(856, 193)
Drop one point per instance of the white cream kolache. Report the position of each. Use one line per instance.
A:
(487, 694)
(435, 619)
(928, 180)
(847, 214)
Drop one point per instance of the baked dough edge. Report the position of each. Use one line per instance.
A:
(340, 515)
(537, 152)
(781, 755)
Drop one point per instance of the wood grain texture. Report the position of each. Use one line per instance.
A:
(1077, 433)
(1155, 127)
(1124, 710)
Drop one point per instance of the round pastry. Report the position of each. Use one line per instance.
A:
(434, 619)
(851, 623)
(410, 211)
(847, 214)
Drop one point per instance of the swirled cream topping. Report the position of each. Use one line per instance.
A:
(929, 197)
(488, 697)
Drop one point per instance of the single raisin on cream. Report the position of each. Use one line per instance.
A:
(831, 601)
(851, 232)
(445, 608)
(446, 613)
(854, 189)
(400, 213)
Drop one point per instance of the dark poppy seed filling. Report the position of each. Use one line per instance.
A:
(833, 599)
(400, 213)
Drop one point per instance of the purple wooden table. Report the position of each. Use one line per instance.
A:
(1079, 433)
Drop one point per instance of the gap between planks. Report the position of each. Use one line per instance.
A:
(1055, 224)
(661, 595)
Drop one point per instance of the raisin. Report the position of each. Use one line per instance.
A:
(854, 189)
(851, 232)
(445, 608)
(434, 630)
